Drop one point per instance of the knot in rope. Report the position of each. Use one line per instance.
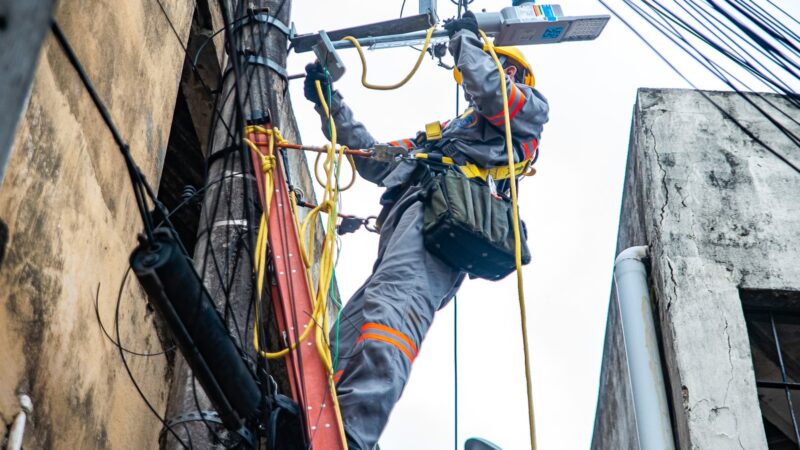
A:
(267, 163)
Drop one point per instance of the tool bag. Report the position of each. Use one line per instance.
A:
(469, 228)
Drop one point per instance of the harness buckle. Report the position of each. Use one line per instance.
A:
(433, 131)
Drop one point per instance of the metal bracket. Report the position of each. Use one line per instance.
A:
(328, 57)
(268, 63)
(429, 7)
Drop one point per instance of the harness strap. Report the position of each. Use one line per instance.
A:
(472, 171)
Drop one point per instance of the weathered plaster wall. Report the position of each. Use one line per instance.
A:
(719, 212)
(72, 223)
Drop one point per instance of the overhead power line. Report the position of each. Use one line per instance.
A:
(742, 43)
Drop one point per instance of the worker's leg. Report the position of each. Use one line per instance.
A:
(389, 318)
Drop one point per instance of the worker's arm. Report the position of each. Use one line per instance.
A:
(349, 131)
(353, 134)
(528, 109)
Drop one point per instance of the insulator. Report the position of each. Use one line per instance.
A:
(188, 194)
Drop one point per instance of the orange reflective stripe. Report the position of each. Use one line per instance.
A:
(520, 102)
(527, 150)
(394, 144)
(499, 116)
(388, 340)
(497, 119)
(408, 144)
(392, 331)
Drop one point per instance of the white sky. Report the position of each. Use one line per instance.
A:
(571, 208)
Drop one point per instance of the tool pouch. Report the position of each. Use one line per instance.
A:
(469, 228)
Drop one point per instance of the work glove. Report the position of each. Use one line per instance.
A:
(316, 72)
(466, 22)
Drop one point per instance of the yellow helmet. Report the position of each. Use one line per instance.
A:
(512, 53)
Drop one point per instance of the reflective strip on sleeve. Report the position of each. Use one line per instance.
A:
(515, 103)
(405, 143)
(388, 335)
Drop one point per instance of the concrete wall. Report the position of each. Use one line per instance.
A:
(719, 213)
(72, 223)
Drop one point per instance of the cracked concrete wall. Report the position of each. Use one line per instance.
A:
(72, 223)
(719, 213)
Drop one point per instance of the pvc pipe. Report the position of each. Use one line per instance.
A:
(651, 409)
(18, 427)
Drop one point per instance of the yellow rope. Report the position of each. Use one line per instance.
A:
(352, 172)
(267, 164)
(400, 83)
(319, 319)
(517, 242)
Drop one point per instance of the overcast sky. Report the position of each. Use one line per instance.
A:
(571, 208)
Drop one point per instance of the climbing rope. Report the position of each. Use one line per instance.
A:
(327, 263)
(517, 241)
(319, 317)
(260, 265)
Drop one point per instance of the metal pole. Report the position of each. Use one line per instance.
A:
(223, 254)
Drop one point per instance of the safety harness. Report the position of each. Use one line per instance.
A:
(433, 133)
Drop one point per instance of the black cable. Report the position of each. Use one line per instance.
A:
(724, 76)
(725, 113)
(455, 371)
(137, 179)
(105, 332)
(717, 70)
(128, 369)
(217, 438)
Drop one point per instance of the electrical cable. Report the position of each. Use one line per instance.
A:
(724, 112)
(110, 338)
(455, 372)
(400, 83)
(137, 179)
(128, 369)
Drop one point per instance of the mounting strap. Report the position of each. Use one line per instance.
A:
(271, 20)
(269, 63)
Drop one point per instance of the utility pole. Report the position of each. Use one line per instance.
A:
(254, 86)
(23, 27)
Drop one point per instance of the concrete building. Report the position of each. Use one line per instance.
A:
(68, 220)
(720, 215)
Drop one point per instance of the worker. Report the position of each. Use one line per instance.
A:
(383, 325)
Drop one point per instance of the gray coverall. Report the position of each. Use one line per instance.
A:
(385, 322)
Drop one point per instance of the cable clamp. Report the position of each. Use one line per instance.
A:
(205, 416)
(270, 20)
(268, 63)
(195, 416)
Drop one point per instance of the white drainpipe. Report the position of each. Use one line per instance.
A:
(644, 363)
(18, 427)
